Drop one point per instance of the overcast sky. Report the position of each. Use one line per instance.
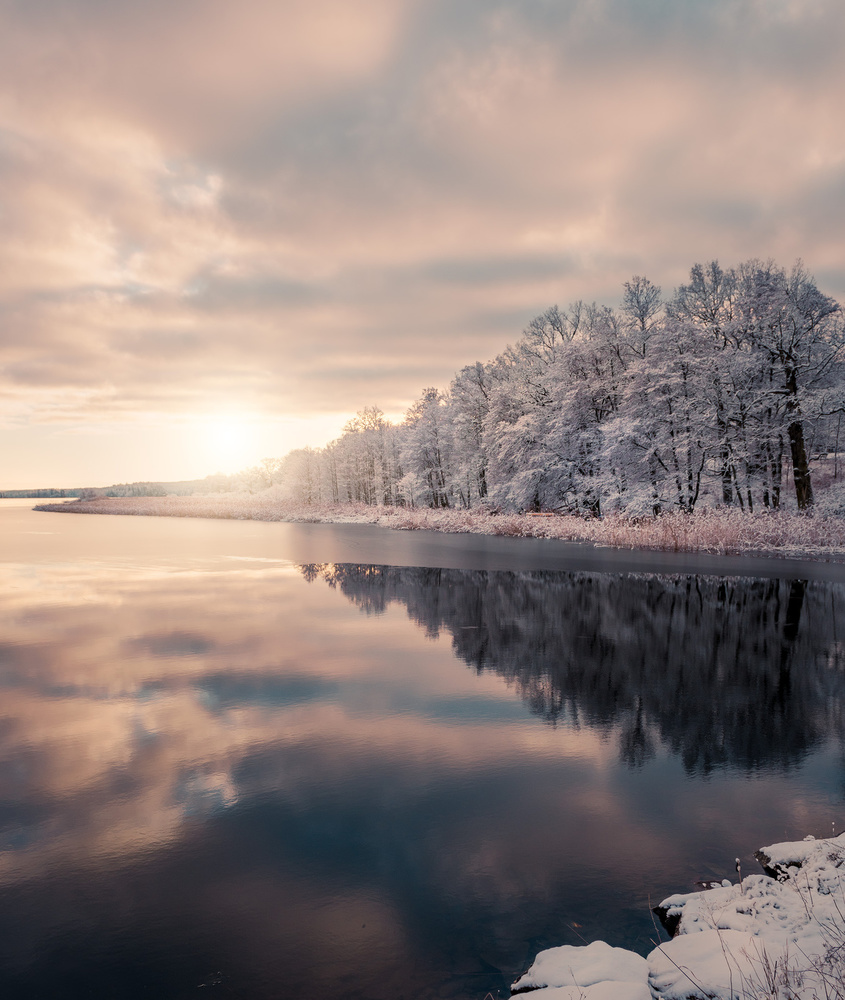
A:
(228, 226)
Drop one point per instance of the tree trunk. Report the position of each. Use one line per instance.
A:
(795, 431)
(724, 448)
(800, 466)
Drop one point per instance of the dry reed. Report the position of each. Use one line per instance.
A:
(721, 531)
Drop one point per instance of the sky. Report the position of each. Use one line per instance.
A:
(225, 228)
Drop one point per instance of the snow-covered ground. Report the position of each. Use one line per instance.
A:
(780, 939)
(720, 531)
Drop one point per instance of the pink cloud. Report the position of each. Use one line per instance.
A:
(287, 193)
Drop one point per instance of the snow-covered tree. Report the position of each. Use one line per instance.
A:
(796, 334)
(427, 449)
(641, 309)
(660, 440)
(645, 408)
(469, 405)
(707, 304)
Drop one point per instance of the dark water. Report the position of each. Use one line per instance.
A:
(253, 760)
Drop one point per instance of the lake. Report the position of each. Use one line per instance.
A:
(255, 760)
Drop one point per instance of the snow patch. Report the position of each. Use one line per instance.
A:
(763, 937)
(596, 972)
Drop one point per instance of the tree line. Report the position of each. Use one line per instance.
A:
(725, 390)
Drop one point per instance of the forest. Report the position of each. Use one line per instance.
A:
(723, 394)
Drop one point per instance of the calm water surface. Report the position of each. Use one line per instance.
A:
(262, 760)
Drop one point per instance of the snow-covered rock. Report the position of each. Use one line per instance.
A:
(724, 965)
(595, 972)
(749, 940)
(783, 860)
(765, 937)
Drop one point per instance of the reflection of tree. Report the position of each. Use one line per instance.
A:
(636, 742)
(723, 672)
(312, 571)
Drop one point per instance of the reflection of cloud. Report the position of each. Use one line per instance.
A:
(244, 767)
(112, 735)
(170, 644)
(224, 691)
(202, 793)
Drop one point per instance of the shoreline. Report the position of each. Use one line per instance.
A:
(773, 535)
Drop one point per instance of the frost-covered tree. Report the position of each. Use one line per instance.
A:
(648, 407)
(301, 473)
(795, 332)
(524, 470)
(641, 309)
(427, 450)
(588, 384)
(662, 436)
(469, 405)
(707, 304)
(363, 464)
(552, 392)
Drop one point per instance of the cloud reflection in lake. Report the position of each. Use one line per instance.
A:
(231, 767)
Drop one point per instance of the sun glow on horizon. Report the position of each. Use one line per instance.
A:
(231, 441)
(158, 447)
(227, 442)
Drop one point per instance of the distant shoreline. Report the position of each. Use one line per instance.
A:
(716, 532)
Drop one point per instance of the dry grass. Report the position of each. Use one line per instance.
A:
(720, 531)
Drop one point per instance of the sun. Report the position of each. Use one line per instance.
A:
(226, 442)
(233, 439)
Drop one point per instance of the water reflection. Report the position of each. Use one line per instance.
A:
(742, 673)
(231, 772)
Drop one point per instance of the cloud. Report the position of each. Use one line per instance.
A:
(285, 192)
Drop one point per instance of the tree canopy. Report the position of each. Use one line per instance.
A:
(725, 390)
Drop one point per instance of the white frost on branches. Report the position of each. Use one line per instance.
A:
(718, 396)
